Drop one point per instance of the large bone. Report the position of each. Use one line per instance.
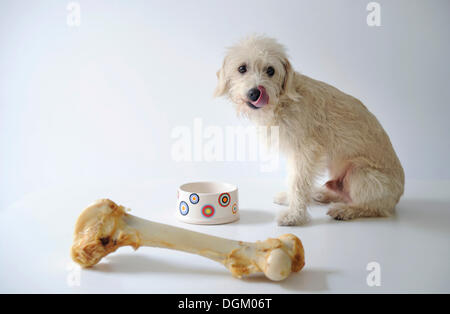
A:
(104, 226)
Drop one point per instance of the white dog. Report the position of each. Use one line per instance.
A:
(320, 127)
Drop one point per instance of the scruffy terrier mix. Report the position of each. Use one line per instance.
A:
(320, 127)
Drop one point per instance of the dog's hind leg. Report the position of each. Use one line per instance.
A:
(323, 195)
(368, 192)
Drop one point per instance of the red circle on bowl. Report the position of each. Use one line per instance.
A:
(224, 203)
(207, 213)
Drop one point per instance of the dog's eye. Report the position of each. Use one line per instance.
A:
(242, 69)
(270, 71)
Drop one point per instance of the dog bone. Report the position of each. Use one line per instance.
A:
(104, 226)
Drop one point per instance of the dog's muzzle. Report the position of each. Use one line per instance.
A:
(257, 97)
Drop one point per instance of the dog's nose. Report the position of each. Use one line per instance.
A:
(253, 94)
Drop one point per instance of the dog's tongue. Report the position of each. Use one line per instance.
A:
(263, 98)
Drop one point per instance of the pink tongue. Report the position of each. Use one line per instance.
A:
(263, 98)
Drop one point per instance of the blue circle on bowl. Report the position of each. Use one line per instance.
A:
(194, 198)
(184, 208)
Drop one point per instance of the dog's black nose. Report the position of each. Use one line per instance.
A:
(253, 94)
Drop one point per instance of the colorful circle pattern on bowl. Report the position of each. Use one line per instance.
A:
(224, 199)
(184, 208)
(234, 209)
(208, 211)
(194, 198)
(207, 203)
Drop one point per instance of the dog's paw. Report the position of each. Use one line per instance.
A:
(281, 198)
(338, 212)
(293, 218)
(321, 196)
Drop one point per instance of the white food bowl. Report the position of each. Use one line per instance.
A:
(207, 203)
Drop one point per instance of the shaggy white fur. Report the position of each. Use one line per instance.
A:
(320, 127)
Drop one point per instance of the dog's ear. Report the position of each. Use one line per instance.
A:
(289, 80)
(222, 84)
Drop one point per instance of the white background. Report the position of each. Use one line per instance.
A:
(98, 102)
(83, 108)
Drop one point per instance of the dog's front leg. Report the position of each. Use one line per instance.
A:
(302, 169)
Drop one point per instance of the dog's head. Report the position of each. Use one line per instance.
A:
(255, 74)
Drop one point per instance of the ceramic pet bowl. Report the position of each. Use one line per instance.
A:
(207, 203)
